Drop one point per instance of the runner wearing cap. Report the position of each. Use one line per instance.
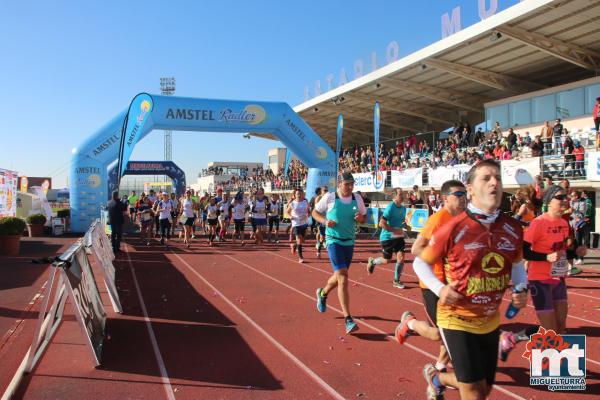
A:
(454, 197)
(547, 246)
(482, 252)
(392, 238)
(299, 212)
(339, 212)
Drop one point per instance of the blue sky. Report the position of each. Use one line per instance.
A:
(70, 66)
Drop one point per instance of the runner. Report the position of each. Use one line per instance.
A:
(320, 227)
(187, 217)
(392, 238)
(174, 213)
(164, 208)
(132, 200)
(481, 250)
(212, 215)
(274, 216)
(154, 228)
(548, 245)
(259, 208)
(339, 211)
(224, 216)
(203, 203)
(312, 203)
(239, 217)
(299, 212)
(144, 207)
(454, 197)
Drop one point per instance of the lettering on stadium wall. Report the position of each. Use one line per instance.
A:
(106, 144)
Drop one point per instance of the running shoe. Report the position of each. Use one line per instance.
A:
(398, 284)
(575, 271)
(371, 265)
(277, 241)
(193, 236)
(301, 260)
(433, 392)
(506, 345)
(321, 301)
(351, 326)
(402, 330)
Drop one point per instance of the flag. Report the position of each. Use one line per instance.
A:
(139, 110)
(376, 133)
(338, 143)
(288, 159)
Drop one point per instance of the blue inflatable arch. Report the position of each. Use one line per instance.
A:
(168, 168)
(115, 142)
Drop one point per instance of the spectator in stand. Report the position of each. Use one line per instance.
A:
(537, 147)
(569, 147)
(415, 197)
(506, 153)
(526, 140)
(479, 135)
(557, 131)
(511, 139)
(546, 134)
(579, 154)
(596, 116)
(433, 202)
(498, 129)
(539, 189)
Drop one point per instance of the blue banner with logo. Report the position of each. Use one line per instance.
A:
(139, 110)
(338, 142)
(376, 119)
(416, 218)
(288, 159)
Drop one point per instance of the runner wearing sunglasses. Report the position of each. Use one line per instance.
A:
(454, 197)
(547, 247)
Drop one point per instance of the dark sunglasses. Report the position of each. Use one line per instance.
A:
(457, 194)
(561, 197)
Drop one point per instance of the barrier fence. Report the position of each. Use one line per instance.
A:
(71, 277)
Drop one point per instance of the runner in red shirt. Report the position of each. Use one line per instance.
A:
(547, 247)
(481, 250)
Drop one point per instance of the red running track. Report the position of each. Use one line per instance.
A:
(232, 322)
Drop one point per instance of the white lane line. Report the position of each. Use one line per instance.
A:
(411, 300)
(159, 360)
(388, 336)
(270, 338)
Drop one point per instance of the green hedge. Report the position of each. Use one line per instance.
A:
(11, 226)
(36, 219)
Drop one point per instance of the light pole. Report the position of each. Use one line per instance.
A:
(167, 88)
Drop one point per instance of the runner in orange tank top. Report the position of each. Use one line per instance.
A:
(454, 198)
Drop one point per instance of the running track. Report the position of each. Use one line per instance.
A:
(232, 322)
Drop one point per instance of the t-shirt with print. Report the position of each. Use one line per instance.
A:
(433, 223)
(547, 235)
(480, 258)
(299, 212)
(395, 217)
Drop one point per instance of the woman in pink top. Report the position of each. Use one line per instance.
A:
(506, 154)
(546, 247)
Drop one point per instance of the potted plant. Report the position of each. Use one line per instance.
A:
(11, 229)
(35, 224)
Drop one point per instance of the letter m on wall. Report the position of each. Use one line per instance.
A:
(451, 25)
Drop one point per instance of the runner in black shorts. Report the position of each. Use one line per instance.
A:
(275, 205)
(392, 238)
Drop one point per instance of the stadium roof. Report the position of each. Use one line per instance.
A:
(533, 45)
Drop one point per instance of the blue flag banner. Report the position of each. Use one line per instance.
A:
(139, 110)
(288, 159)
(376, 134)
(338, 143)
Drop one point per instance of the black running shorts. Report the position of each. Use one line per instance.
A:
(474, 356)
(391, 247)
(430, 301)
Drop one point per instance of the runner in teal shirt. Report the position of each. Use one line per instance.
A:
(392, 237)
(339, 211)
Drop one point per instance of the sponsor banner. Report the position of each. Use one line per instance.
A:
(520, 172)
(408, 178)
(370, 182)
(28, 182)
(140, 109)
(376, 119)
(86, 298)
(8, 193)
(338, 144)
(593, 166)
(102, 250)
(416, 218)
(438, 176)
(372, 218)
(39, 192)
(288, 159)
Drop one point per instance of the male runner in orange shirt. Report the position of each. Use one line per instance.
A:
(481, 250)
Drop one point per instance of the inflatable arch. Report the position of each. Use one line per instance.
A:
(168, 168)
(115, 142)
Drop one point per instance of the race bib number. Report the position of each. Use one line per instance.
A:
(560, 267)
